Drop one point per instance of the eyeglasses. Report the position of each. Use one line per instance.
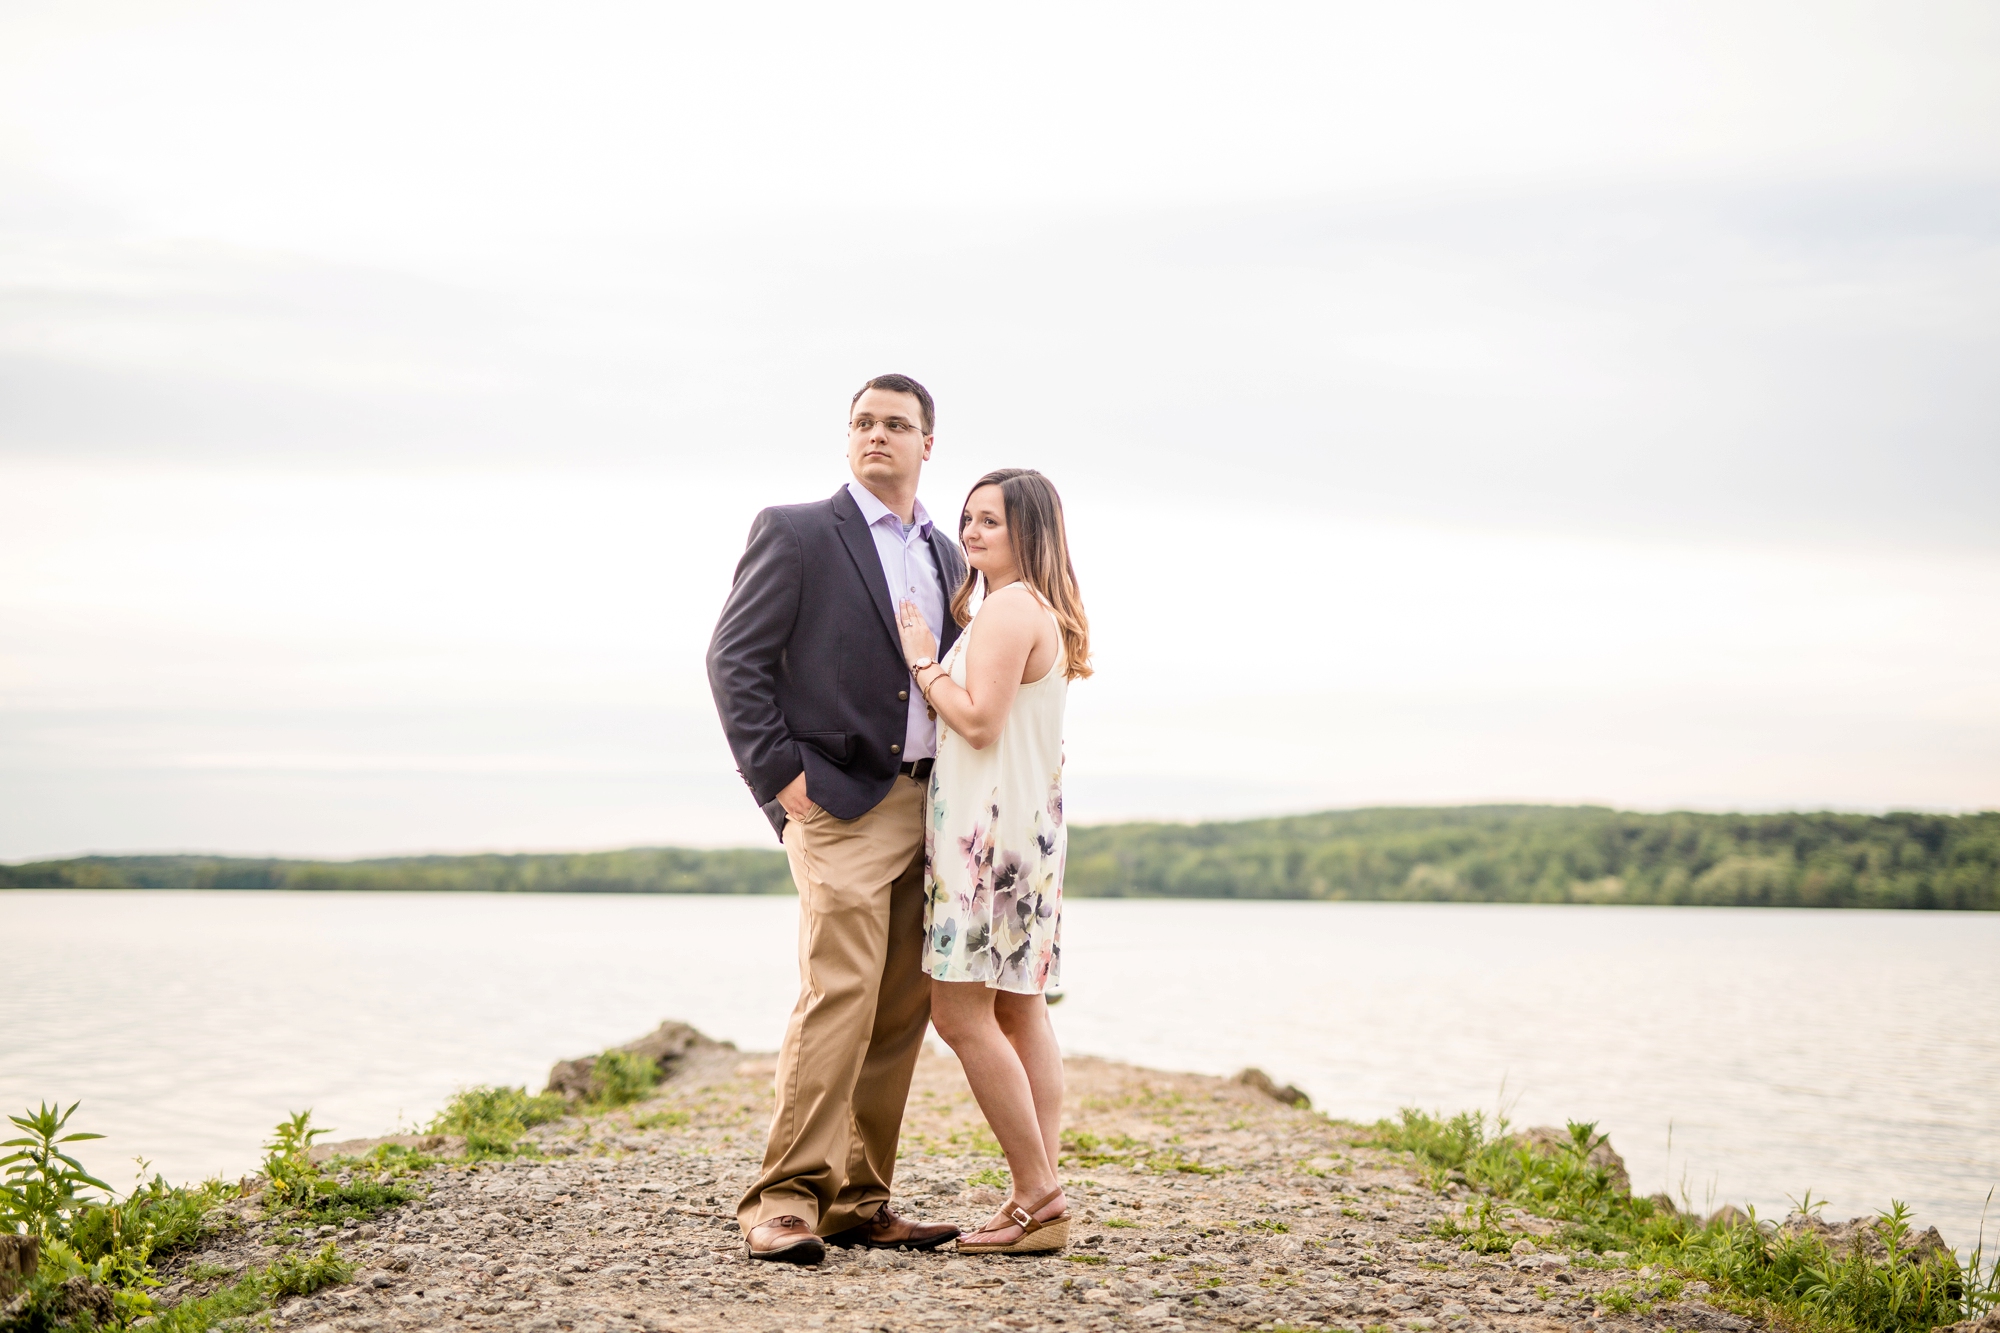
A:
(861, 425)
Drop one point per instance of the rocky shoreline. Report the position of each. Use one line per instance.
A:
(1202, 1203)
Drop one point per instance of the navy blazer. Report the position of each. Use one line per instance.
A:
(806, 665)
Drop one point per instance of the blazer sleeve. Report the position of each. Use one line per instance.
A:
(747, 652)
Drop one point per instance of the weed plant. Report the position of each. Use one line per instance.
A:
(97, 1252)
(620, 1077)
(298, 1187)
(299, 1274)
(495, 1121)
(42, 1191)
(288, 1163)
(1792, 1274)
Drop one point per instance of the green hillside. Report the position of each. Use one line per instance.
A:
(1470, 854)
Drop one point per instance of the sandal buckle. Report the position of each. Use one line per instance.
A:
(1022, 1217)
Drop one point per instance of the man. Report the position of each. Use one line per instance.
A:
(836, 743)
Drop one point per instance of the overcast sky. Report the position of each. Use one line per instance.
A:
(1452, 402)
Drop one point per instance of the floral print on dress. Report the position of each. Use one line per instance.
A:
(999, 920)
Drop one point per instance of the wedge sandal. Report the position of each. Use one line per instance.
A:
(1037, 1237)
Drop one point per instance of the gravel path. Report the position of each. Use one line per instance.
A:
(1201, 1204)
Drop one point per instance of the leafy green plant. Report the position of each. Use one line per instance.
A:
(395, 1159)
(620, 1077)
(302, 1275)
(170, 1218)
(331, 1203)
(288, 1163)
(991, 1175)
(1484, 1234)
(41, 1191)
(494, 1120)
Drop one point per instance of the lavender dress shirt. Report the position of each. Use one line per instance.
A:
(912, 575)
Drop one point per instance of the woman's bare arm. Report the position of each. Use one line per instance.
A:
(1000, 659)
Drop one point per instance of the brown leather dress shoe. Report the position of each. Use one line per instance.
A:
(785, 1240)
(886, 1231)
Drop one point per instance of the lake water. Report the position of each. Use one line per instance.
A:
(1733, 1055)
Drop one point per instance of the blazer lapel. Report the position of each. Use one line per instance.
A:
(860, 545)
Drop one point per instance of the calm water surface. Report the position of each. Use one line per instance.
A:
(1732, 1055)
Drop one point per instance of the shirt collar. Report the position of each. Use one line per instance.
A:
(873, 511)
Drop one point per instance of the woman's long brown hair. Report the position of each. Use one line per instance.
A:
(1041, 554)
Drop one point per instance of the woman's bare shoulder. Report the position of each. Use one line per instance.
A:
(1012, 613)
(1015, 604)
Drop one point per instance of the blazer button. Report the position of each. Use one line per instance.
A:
(902, 696)
(895, 749)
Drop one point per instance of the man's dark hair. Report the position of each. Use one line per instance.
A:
(901, 384)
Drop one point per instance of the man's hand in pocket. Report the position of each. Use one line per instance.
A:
(797, 804)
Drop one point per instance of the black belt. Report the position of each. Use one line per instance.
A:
(919, 769)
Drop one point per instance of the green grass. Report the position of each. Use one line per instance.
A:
(661, 1120)
(1792, 1277)
(1084, 1151)
(205, 1272)
(246, 1296)
(991, 1175)
(331, 1204)
(255, 1292)
(1119, 1222)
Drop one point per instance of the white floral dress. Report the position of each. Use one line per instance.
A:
(994, 842)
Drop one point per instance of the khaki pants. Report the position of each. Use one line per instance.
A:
(849, 1051)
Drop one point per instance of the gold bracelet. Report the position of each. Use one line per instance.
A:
(924, 689)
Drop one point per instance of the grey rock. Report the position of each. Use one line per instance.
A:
(667, 1045)
(1986, 1323)
(1264, 1083)
(1866, 1233)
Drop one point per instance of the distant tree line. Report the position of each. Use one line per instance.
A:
(640, 870)
(1491, 854)
(1549, 854)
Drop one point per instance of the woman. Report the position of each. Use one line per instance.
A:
(994, 839)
